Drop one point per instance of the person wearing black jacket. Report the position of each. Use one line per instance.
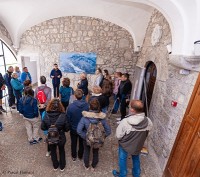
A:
(83, 85)
(56, 115)
(97, 93)
(2, 87)
(8, 77)
(56, 75)
(124, 92)
(74, 115)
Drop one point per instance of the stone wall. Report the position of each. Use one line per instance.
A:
(113, 45)
(170, 85)
(5, 35)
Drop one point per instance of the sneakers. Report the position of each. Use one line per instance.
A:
(62, 170)
(115, 173)
(33, 142)
(114, 112)
(39, 140)
(13, 107)
(86, 168)
(55, 169)
(48, 153)
(118, 119)
(73, 159)
(2, 110)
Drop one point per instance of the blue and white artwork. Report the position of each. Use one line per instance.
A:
(78, 62)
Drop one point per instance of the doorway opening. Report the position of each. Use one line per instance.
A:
(149, 83)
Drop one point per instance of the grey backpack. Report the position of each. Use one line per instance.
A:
(95, 135)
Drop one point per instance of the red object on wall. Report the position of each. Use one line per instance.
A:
(174, 103)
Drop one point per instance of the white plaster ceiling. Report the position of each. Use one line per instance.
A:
(182, 15)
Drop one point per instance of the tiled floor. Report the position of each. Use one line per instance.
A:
(19, 159)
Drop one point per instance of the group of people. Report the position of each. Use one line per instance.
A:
(78, 115)
(13, 80)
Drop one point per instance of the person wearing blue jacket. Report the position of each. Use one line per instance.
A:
(65, 92)
(29, 109)
(74, 115)
(56, 75)
(17, 88)
(7, 78)
(25, 75)
(93, 116)
(83, 85)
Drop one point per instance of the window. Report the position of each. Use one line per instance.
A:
(7, 58)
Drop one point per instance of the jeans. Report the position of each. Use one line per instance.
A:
(62, 161)
(56, 90)
(86, 157)
(116, 102)
(84, 97)
(123, 155)
(105, 109)
(11, 98)
(74, 138)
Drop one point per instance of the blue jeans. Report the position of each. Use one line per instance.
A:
(105, 109)
(123, 155)
(84, 97)
(116, 102)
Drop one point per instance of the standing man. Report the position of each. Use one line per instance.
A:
(55, 75)
(124, 93)
(83, 85)
(8, 77)
(25, 75)
(131, 134)
(2, 87)
(74, 115)
(43, 89)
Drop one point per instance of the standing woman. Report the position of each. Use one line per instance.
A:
(99, 77)
(55, 115)
(17, 88)
(28, 108)
(83, 85)
(93, 116)
(65, 92)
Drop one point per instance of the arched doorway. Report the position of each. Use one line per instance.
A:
(149, 82)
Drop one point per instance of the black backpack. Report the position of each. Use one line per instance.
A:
(53, 136)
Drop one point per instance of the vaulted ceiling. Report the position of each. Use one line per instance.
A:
(183, 16)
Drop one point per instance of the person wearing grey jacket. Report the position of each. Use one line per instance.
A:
(47, 92)
(131, 134)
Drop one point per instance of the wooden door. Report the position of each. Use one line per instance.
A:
(185, 157)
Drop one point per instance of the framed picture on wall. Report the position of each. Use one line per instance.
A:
(78, 62)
